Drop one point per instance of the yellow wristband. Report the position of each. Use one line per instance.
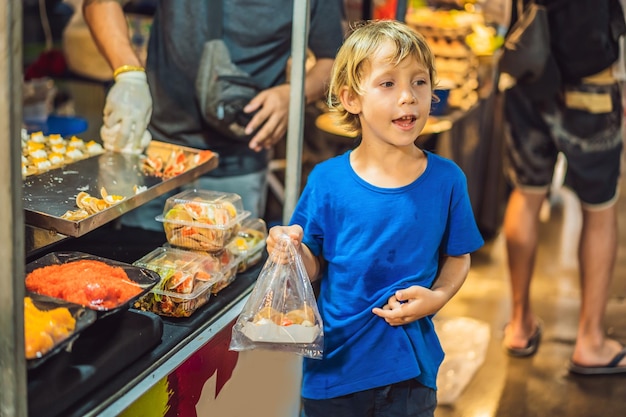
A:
(127, 68)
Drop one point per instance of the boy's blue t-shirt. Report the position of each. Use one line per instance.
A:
(376, 241)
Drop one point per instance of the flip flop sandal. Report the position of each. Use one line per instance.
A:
(610, 368)
(531, 347)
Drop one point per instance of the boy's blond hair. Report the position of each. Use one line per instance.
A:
(358, 48)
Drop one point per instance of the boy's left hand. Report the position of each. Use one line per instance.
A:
(410, 304)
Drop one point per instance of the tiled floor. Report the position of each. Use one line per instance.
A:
(540, 386)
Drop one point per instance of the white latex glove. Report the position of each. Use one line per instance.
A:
(127, 112)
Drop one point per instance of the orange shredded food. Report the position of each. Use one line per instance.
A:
(86, 282)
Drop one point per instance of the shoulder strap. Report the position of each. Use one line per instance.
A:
(215, 19)
(401, 7)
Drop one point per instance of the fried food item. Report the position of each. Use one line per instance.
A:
(201, 225)
(43, 330)
(267, 313)
(175, 164)
(303, 316)
(88, 205)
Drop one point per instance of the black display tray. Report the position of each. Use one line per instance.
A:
(143, 278)
(110, 345)
(84, 318)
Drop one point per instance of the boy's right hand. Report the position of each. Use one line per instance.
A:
(277, 233)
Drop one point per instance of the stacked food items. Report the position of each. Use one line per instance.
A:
(249, 243)
(202, 220)
(41, 153)
(210, 239)
(187, 280)
(446, 32)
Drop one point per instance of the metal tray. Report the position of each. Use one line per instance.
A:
(49, 195)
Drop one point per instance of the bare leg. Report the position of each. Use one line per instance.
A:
(597, 252)
(521, 224)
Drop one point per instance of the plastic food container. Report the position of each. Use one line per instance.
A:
(222, 263)
(202, 219)
(249, 243)
(186, 282)
(228, 262)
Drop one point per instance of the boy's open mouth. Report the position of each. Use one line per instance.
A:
(405, 121)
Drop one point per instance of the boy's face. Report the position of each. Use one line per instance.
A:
(396, 99)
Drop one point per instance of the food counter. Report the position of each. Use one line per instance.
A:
(117, 360)
(122, 357)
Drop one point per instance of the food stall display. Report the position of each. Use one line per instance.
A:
(173, 295)
(457, 65)
(117, 319)
(53, 199)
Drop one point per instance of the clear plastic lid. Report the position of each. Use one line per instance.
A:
(249, 241)
(184, 274)
(204, 208)
(201, 219)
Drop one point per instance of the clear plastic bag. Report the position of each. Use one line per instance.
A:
(465, 341)
(281, 313)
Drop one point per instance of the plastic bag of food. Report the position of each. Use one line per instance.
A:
(281, 313)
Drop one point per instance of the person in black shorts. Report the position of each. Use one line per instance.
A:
(580, 117)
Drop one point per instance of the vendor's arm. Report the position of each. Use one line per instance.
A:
(273, 105)
(109, 29)
(415, 302)
(295, 233)
(128, 105)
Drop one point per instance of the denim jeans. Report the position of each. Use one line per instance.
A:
(403, 399)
